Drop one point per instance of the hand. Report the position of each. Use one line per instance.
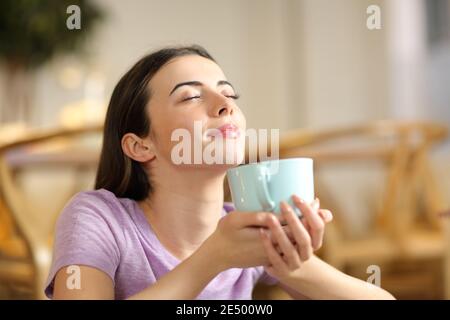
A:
(288, 249)
(236, 242)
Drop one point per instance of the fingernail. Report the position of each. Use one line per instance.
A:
(327, 216)
(330, 216)
(297, 198)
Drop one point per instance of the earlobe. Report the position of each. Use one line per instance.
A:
(148, 148)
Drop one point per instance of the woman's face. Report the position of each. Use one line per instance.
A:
(193, 91)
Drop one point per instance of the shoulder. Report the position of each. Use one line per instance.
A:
(96, 208)
(94, 198)
(90, 226)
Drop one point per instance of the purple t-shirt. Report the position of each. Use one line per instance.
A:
(112, 234)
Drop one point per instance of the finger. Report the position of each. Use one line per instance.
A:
(302, 218)
(315, 222)
(278, 249)
(316, 204)
(275, 245)
(289, 233)
(326, 215)
(289, 251)
(275, 259)
(274, 241)
(281, 219)
(299, 232)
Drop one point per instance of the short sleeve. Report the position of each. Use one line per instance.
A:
(268, 279)
(84, 235)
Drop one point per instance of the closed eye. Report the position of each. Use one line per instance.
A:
(190, 98)
(233, 96)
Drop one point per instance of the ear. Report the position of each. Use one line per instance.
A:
(137, 148)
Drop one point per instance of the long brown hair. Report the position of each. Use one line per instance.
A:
(127, 113)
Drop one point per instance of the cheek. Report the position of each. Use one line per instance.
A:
(165, 122)
(242, 121)
(180, 128)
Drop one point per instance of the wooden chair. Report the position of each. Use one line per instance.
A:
(406, 222)
(25, 229)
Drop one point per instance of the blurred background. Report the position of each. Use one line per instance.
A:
(360, 86)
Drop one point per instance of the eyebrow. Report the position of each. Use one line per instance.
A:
(199, 84)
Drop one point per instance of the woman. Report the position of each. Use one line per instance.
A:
(153, 229)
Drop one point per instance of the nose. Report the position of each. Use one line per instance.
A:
(221, 106)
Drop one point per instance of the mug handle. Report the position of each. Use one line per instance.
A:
(263, 191)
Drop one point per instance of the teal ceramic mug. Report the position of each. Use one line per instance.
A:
(262, 186)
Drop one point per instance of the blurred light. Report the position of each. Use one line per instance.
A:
(70, 77)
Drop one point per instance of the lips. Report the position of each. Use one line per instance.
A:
(229, 131)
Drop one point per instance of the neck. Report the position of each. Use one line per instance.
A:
(184, 209)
